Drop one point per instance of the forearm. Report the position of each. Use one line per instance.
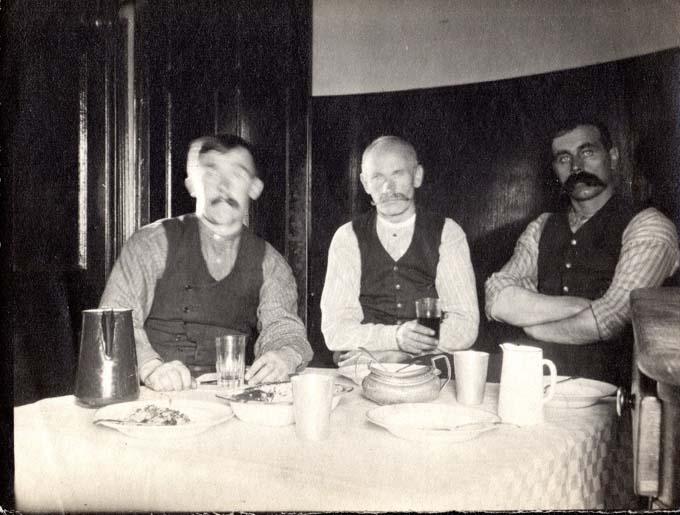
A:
(343, 334)
(578, 329)
(456, 287)
(522, 307)
(279, 325)
(458, 331)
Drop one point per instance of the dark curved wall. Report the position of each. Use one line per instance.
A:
(483, 147)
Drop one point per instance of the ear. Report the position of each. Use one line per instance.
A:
(255, 188)
(189, 185)
(614, 157)
(418, 176)
(364, 182)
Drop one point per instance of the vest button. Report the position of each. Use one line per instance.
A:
(567, 265)
(573, 242)
(397, 286)
(399, 305)
(395, 268)
(565, 289)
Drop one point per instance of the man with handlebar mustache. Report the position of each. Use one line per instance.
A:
(568, 282)
(194, 277)
(383, 260)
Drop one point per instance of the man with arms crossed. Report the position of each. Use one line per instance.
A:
(568, 282)
(381, 262)
(191, 278)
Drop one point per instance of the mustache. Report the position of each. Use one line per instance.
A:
(586, 178)
(387, 197)
(228, 200)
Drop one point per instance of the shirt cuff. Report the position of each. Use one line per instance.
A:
(292, 358)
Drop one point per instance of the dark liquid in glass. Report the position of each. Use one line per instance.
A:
(432, 323)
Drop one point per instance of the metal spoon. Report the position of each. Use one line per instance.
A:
(366, 351)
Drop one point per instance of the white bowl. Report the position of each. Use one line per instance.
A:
(277, 410)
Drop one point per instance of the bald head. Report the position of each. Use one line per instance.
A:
(389, 145)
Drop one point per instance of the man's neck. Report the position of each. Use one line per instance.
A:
(392, 223)
(219, 232)
(399, 217)
(587, 208)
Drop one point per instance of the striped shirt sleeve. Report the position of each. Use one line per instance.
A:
(649, 254)
(341, 311)
(141, 264)
(455, 283)
(342, 314)
(522, 268)
(278, 323)
(132, 282)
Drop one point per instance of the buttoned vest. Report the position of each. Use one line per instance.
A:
(390, 288)
(582, 264)
(190, 308)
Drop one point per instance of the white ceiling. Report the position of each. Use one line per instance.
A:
(362, 46)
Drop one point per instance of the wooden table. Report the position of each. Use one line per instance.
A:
(576, 459)
(656, 416)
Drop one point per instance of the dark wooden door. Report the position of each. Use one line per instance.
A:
(231, 66)
(57, 66)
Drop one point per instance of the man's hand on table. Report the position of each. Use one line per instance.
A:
(271, 367)
(415, 338)
(170, 376)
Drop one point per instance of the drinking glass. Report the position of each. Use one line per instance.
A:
(230, 362)
(429, 313)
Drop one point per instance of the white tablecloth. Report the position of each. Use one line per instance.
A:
(577, 459)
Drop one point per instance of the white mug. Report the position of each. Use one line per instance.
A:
(521, 396)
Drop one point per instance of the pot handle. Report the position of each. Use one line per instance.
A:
(448, 368)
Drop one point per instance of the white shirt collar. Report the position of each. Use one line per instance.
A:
(410, 221)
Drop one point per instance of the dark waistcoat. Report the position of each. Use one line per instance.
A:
(389, 288)
(582, 264)
(191, 308)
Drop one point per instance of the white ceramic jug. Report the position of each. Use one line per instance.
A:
(521, 395)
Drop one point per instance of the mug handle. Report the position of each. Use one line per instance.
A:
(553, 379)
(448, 368)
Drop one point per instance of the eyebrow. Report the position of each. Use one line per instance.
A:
(588, 144)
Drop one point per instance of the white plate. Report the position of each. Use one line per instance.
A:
(202, 416)
(278, 410)
(578, 392)
(433, 422)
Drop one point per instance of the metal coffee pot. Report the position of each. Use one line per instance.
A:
(107, 365)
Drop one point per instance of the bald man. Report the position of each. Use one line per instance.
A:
(385, 259)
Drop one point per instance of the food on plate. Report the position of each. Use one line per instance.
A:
(272, 392)
(156, 416)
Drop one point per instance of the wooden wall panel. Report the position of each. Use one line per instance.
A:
(485, 151)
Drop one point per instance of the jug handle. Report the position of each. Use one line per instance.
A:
(448, 368)
(553, 379)
(108, 321)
